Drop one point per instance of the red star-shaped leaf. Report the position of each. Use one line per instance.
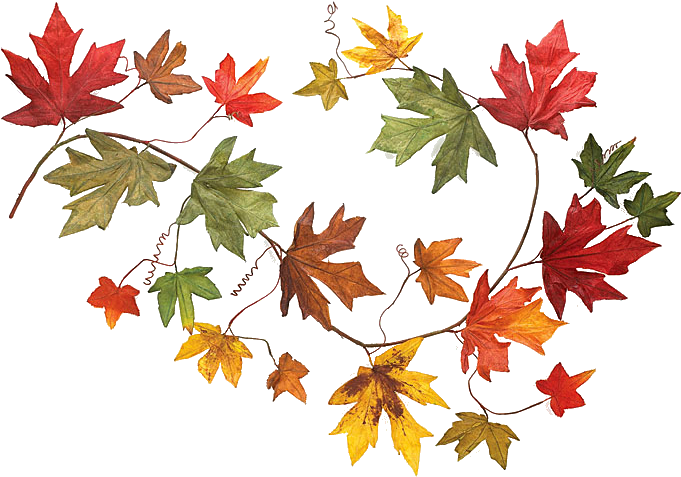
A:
(234, 95)
(114, 300)
(564, 252)
(539, 109)
(563, 389)
(64, 96)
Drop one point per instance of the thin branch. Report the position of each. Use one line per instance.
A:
(486, 409)
(269, 350)
(529, 219)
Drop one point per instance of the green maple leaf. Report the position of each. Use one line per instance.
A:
(119, 169)
(651, 211)
(220, 193)
(448, 113)
(601, 176)
(179, 287)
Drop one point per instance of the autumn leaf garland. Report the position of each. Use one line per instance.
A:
(223, 192)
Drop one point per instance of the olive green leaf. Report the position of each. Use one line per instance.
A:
(326, 84)
(179, 287)
(651, 211)
(119, 169)
(448, 114)
(472, 429)
(601, 176)
(220, 192)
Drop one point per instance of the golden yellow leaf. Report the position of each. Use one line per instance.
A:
(225, 351)
(374, 390)
(325, 84)
(472, 429)
(387, 50)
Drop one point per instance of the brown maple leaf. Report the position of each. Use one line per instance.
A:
(305, 260)
(434, 269)
(287, 378)
(162, 81)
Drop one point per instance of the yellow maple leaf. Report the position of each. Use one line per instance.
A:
(472, 429)
(374, 390)
(387, 50)
(222, 350)
(325, 84)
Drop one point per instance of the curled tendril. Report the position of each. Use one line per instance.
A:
(161, 241)
(241, 285)
(331, 9)
(402, 252)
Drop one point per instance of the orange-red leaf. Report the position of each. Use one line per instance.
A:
(114, 300)
(287, 378)
(304, 260)
(434, 269)
(235, 96)
(563, 389)
(162, 81)
(507, 315)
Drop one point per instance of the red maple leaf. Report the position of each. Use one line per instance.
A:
(563, 389)
(564, 252)
(539, 109)
(114, 300)
(234, 95)
(64, 96)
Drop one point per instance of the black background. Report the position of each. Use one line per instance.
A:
(83, 390)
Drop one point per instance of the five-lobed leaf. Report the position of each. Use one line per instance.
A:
(387, 50)
(304, 260)
(221, 193)
(178, 288)
(234, 95)
(63, 96)
(507, 315)
(287, 377)
(601, 176)
(565, 251)
(375, 390)
(223, 351)
(540, 108)
(563, 389)
(114, 299)
(650, 211)
(159, 74)
(119, 169)
(448, 114)
(474, 428)
(435, 268)
(326, 84)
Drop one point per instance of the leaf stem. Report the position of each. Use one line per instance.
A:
(620, 223)
(269, 349)
(54, 147)
(148, 143)
(229, 326)
(529, 219)
(488, 410)
(585, 193)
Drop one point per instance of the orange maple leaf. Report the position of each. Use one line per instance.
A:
(434, 269)
(387, 50)
(234, 95)
(287, 378)
(223, 351)
(506, 315)
(162, 81)
(114, 300)
(305, 259)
